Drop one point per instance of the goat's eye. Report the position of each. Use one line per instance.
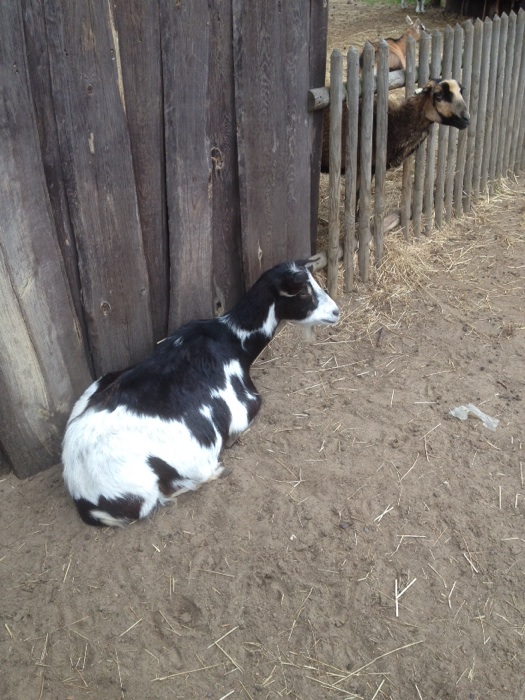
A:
(439, 97)
(304, 294)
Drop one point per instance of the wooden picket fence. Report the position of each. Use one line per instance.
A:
(451, 169)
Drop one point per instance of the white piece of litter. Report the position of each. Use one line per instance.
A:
(462, 413)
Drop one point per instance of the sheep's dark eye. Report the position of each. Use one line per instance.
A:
(439, 97)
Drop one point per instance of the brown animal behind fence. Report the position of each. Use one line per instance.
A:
(397, 48)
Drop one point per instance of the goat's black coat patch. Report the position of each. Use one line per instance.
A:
(166, 474)
(124, 508)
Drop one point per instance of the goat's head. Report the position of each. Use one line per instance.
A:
(414, 28)
(446, 104)
(300, 299)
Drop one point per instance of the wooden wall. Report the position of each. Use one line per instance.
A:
(155, 157)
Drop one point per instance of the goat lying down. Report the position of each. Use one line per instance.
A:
(137, 438)
(409, 122)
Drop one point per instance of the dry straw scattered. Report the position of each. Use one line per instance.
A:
(429, 268)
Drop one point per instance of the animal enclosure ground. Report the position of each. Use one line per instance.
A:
(279, 579)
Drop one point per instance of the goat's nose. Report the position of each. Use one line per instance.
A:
(335, 313)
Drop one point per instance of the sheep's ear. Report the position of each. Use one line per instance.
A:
(293, 282)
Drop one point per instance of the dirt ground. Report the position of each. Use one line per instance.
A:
(280, 579)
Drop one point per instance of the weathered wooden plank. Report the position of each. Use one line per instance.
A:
(420, 157)
(136, 31)
(441, 165)
(351, 174)
(100, 186)
(42, 361)
(513, 87)
(408, 165)
(495, 25)
(227, 268)
(430, 170)
(505, 107)
(42, 90)
(334, 177)
(457, 59)
(496, 127)
(366, 135)
(381, 132)
(186, 54)
(519, 120)
(271, 66)
(318, 37)
(473, 103)
(479, 141)
(519, 160)
(463, 135)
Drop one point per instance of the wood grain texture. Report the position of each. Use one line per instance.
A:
(227, 270)
(136, 33)
(42, 363)
(88, 97)
(271, 63)
(186, 56)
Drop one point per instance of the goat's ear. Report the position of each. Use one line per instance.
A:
(428, 87)
(293, 282)
(408, 20)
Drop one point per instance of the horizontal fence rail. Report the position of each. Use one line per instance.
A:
(451, 169)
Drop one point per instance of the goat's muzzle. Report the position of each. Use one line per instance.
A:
(459, 121)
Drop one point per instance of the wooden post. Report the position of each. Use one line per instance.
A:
(463, 135)
(496, 127)
(505, 107)
(419, 169)
(365, 159)
(381, 134)
(472, 146)
(514, 90)
(457, 59)
(42, 362)
(334, 177)
(443, 131)
(408, 165)
(352, 140)
(430, 172)
(482, 108)
(495, 25)
(519, 118)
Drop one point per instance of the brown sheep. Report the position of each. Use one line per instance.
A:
(409, 122)
(397, 48)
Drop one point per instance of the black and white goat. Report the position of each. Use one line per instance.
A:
(137, 438)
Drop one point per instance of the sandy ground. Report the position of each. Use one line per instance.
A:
(280, 579)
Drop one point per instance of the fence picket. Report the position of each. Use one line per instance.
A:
(408, 165)
(463, 135)
(420, 159)
(519, 157)
(505, 108)
(516, 56)
(380, 136)
(491, 102)
(430, 172)
(352, 137)
(443, 131)
(473, 109)
(452, 156)
(334, 183)
(365, 159)
(493, 165)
